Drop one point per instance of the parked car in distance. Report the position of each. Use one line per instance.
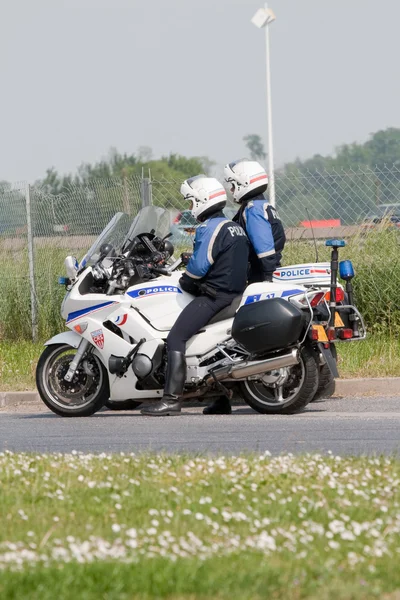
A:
(389, 213)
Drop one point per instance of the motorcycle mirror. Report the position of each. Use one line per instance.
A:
(105, 249)
(71, 266)
(168, 248)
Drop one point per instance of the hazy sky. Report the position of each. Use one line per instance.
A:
(188, 76)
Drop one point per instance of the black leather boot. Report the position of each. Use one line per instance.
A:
(220, 406)
(175, 381)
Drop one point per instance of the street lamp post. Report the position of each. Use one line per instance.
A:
(262, 19)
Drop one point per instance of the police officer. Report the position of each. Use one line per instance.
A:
(216, 272)
(248, 181)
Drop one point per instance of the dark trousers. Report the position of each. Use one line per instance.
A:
(193, 317)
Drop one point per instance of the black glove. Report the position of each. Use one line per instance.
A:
(268, 277)
(185, 257)
(157, 257)
(188, 285)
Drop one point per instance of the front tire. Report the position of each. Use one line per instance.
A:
(82, 397)
(298, 391)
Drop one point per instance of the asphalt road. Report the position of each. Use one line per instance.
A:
(344, 426)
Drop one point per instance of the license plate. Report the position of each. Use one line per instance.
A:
(338, 320)
(322, 337)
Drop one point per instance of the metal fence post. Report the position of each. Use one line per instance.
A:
(31, 264)
(146, 190)
(126, 202)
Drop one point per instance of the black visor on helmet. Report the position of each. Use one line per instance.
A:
(235, 162)
(190, 181)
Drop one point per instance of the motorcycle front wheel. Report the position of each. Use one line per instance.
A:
(84, 395)
(298, 391)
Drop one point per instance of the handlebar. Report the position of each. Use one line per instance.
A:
(123, 269)
(160, 270)
(175, 265)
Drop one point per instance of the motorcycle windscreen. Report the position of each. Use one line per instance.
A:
(267, 325)
(114, 234)
(149, 218)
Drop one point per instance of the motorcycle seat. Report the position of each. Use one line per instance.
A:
(228, 312)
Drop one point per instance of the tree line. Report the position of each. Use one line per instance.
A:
(347, 185)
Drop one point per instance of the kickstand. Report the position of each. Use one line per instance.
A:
(225, 392)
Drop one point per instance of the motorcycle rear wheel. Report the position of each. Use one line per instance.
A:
(303, 384)
(327, 385)
(82, 397)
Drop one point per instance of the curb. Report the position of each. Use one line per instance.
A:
(373, 386)
(14, 398)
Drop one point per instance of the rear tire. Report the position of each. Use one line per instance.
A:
(87, 392)
(305, 377)
(122, 405)
(326, 387)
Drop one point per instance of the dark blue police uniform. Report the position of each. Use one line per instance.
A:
(216, 273)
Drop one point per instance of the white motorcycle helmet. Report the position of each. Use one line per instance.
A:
(207, 195)
(246, 178)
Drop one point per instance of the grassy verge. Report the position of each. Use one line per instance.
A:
(378, 356)
(15, 298)
(18, 364)
(126, 526)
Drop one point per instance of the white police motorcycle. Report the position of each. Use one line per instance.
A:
(123, 298)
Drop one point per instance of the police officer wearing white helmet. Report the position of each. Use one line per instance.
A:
(248, 181)
(215, 273)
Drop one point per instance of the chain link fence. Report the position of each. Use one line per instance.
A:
(341, 198)
(38, 229)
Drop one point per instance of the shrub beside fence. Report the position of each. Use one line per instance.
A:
(37, 231)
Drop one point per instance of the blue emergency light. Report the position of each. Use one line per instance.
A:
(63, 280)
(346, 270)
(335, 243)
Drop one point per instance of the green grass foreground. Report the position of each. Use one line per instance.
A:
(185, 527)
(377, 356)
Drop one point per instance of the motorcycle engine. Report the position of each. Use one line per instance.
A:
(142, 366)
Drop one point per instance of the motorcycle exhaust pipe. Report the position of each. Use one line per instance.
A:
(255, 367)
